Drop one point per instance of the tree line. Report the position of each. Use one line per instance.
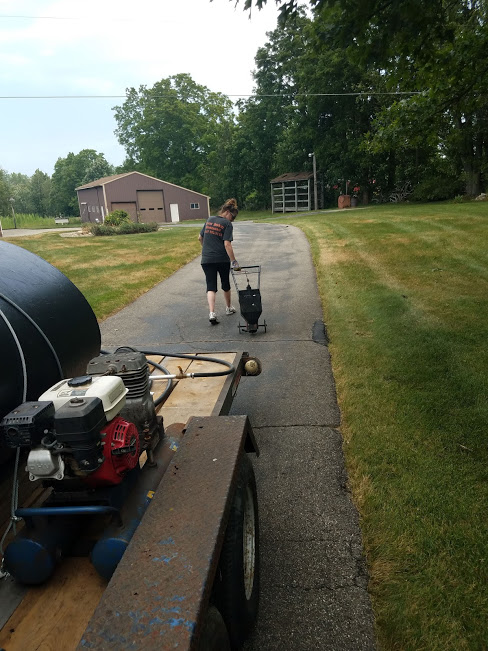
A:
(389, 96)
(45, 195)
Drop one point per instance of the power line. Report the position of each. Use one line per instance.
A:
(356, 94)
(65, 18)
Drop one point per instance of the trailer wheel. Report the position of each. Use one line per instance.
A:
(214, 635)
(237, 581)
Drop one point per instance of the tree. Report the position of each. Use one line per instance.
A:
(20, 185)
(407, 47)
(263, 119)
(177, 130)
(70, 173)
(5, 194)
(439, 49)
(40, 193)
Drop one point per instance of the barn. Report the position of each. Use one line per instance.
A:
(144, 197)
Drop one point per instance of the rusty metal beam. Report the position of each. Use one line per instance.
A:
(160, 591)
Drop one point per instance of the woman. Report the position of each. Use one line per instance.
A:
(218, 255)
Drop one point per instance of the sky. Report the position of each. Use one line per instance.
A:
(103, 47)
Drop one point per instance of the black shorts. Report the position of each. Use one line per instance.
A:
(211, 269)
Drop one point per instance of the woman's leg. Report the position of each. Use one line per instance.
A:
(210, 271)
(227, 296)
(211, 301)
(224, 272)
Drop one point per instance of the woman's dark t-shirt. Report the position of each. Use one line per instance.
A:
(215, 232)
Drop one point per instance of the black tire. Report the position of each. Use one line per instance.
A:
(214, 636)
(236, 589)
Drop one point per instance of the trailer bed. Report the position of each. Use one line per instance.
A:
(55, 615)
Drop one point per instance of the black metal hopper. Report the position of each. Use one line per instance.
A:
(249, 298)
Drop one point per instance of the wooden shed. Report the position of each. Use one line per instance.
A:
(144, 197)
(292, 192)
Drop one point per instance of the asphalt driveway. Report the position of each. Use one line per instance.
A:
(314, 580)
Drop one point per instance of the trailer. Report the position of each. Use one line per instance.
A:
(137, 519)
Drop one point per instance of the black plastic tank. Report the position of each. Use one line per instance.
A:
(44, 319)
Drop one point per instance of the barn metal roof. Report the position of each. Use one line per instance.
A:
(103, 181)
(109, 179)
(293, 176)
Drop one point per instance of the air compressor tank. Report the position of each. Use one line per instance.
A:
(47, 328)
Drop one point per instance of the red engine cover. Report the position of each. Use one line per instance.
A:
(121, 449)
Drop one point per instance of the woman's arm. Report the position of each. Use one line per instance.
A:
(229, 250)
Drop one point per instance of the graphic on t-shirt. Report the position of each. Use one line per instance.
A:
(214, 228)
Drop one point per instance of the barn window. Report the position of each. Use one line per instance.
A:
(194, 206)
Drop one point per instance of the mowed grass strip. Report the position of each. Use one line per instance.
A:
(405, 295)
(112, 272)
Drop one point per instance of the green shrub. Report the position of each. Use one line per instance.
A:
(252, 201)
(436, 189)
(126, 228)
(131, 227)
(102, 229)
(117, 217)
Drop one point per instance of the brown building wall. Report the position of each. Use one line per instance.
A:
(124, 191)
(184, 198)
(91, 204)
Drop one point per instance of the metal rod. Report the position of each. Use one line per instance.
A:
(64, 510)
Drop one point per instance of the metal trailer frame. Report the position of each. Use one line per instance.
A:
(159, 594)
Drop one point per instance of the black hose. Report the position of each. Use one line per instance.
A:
(215, 360)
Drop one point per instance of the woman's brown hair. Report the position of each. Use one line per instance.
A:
(231, 206)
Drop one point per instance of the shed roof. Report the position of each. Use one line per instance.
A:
(293, 176)
(109, 179)
(102, 181)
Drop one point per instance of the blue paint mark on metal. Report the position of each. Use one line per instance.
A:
(175, 598)
(173, 444)
(168, 541)
(175, 609)
(164, 559)
(176, 622)
(190, 626)
(106, 636)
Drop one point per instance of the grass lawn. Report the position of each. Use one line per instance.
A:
(34, 221)
(405, 298)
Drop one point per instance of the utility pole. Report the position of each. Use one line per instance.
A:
(13, 211)
(314, 162)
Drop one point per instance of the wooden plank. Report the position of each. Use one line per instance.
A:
(54, 616)
(195, 397)
(173, 365)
